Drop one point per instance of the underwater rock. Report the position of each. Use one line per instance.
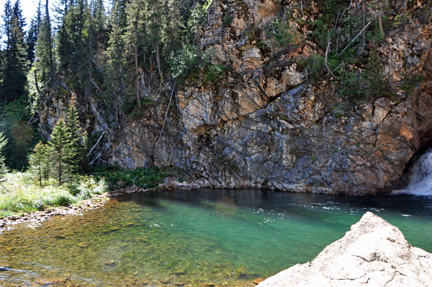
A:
(373, 253)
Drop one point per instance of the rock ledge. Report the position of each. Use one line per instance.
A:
(372, 253)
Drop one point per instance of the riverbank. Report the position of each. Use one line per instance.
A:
(33, 218)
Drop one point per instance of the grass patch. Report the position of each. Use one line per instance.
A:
(25, 194)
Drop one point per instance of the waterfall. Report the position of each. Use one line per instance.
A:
(420, 181)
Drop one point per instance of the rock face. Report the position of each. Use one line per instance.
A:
(269, 127)
(372, 253)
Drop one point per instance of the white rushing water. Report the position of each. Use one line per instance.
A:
(420, 182)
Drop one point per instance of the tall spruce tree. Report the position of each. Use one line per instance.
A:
(61, 150)
(113, 69)
(37, 161)
(15, 54)
(74, 130)
(33, 33)
(132, 39)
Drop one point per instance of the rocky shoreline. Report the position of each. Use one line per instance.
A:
(32, 219)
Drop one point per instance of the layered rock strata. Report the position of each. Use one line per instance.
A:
(270, 126)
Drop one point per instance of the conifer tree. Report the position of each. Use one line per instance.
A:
(61, 150)
(37, 161)
(155, 23)
(114, 76)
(73, 128)
(15, 54)
(33, 33)
(135, 20)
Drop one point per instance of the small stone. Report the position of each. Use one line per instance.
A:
(83, 244)
(258, 281)
(110, 263)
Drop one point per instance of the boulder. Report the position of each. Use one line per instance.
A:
(372, 253)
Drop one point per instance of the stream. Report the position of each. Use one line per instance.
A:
(188, 238)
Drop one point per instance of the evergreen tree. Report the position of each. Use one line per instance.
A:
(135, 21)
(44, 56)
(37, 161)
(42, 60)
(3, 142)
(61, 150)
(113, 70)
(47, 164)
(33, 33)
(15, 54)
(74, 130)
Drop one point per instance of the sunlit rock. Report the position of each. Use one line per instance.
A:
(372, 253)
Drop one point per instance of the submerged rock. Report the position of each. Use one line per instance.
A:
(373, 253)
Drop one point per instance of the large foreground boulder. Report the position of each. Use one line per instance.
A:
(372, 253)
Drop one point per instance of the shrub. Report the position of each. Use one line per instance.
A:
(145, 178)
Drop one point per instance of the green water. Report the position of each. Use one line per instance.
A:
(187, 238)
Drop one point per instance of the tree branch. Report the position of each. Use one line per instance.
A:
(355, 37)
(96, 143)
(166, 114)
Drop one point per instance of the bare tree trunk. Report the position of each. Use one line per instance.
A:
(36, 82)
(158, 61)
(380, 22)
(137, 71)
(136, 58)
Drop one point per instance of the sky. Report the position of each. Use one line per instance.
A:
(29, 7)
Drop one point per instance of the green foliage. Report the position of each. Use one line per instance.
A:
(215, 73)
(227, 20)
(145, 178)
(410, 82)
(38, 161)
(282, 35)
(351, 86)
(77, 146)
(21, 136)
(26, 195)
(367, 85)
(184, 61)
(61, 150)
(14, 55)
(314, 66)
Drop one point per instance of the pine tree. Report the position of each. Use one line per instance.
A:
(33, 33)
(37, 160)
(74, 130)
(61, 150)
(15, 53)
(3, 142)
(135, 21)
(44, 57)
(114, 75)
(155, 24)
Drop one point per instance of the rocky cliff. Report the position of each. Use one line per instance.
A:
(372, 253)
(267, 123)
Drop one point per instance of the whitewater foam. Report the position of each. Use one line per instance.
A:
(420, 182)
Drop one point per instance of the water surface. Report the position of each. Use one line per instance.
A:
(186, 238)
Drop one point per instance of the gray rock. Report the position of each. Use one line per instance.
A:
(372, 253)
